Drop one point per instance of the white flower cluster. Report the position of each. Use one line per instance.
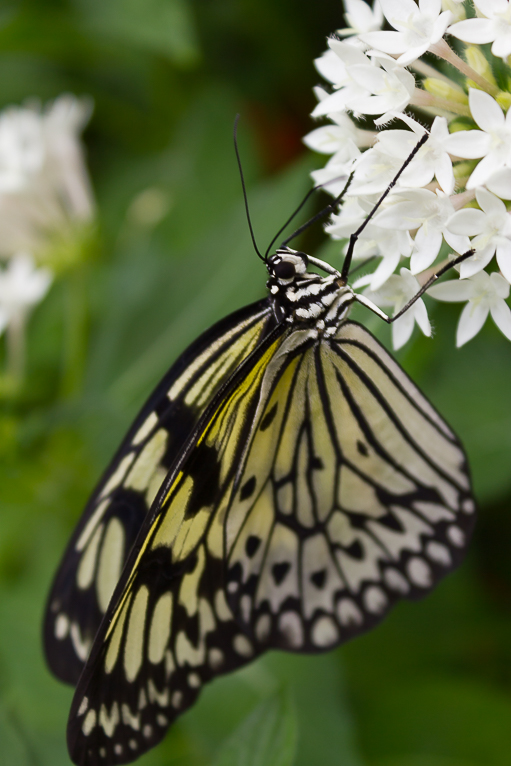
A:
(452, 194)
(45, 195)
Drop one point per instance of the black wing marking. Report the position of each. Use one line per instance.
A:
(354, 493)
(95, 556)
(168, 629)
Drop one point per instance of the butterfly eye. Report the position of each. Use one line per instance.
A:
(284, 270)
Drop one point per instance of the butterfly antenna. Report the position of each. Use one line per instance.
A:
(235, 136)
(295, 213)
(355, 236)
(322, 213)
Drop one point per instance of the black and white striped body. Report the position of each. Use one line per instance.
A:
(302, 297)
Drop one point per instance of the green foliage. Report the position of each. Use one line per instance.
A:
(171, 254)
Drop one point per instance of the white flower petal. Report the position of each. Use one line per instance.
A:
(473, 30)
(500, 183)
(501, 315)
(485, 110)
(421, 317)
(504, 258)
(471, 321)
(402, 330)
(452, 291)
(468, 222)
(444, 172)
(484, 170)
(468, 144)
(489, 203)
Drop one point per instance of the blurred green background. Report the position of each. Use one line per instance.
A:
(171, 254)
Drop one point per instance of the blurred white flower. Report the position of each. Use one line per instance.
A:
(491, 229)
(396, 292)
(361, 17)
(334, 65)
(486, 294)
(429, 213)
(494, 28)
(22, 286)
(492, 142)
(45, 190)
(21, 148)
(418, 28)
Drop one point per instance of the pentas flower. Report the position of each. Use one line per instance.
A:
(418, 28)
(454, 195)
(22, 286)
(494, 27)
(486, 294)
(45, 192)
(493, 141)
(429, 214)
(396, 292)
(491, 229)
(361, 17)
(389, 244)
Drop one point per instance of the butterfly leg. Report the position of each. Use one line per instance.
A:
(376, 310)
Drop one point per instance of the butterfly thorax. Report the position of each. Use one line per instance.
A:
(300, 296)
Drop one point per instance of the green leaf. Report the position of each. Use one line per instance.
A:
(160, 26)
(13, 749)
(266, 738)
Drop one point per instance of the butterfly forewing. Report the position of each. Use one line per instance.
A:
(169, 628)
(354, 493)
(96, 554)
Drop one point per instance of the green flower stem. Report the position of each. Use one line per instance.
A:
(445, 52)
(75, 334)
(422, 99)
(16, 352)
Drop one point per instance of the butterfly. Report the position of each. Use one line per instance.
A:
(284, 485)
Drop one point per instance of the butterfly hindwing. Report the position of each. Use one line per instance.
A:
(317, 489)
(354, 493)
(169, 629)
(96, 554)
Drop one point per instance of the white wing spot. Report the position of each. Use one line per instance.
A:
(263, 627)
(242, 645)
(349, 613)
(81, 646)
(419, 572)
(456, 536)
(102, 752)
(324, 632)
(177, 699)
(110, 562)
(374, 599)
(61, 626)
(84, 704)
(468, 505)
(134, 645)
(160, 628)
(395, 581)
(290, 625)
(89, 723)
(439, 553)
(133, 744)
(118, 749)
(147, 731)
(129, 718)
(232, 586)
(194, 680)
(215, 658)
(162, 720)
(221, 606)
(145, 429)
(109, 722)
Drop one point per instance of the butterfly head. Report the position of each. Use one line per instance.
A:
(286, 264)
